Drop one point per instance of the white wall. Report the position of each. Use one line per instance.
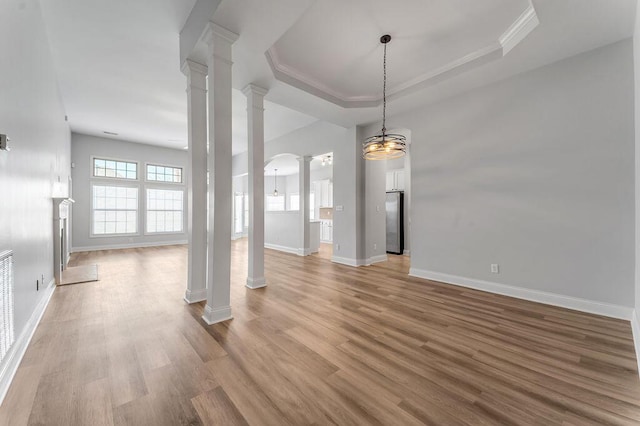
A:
(32, 114)
(348, 176)
(535, 173)
(636, 69)
(83, 147)
(281, 229)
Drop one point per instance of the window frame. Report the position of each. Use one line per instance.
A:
(160, 186)
(118, 184)
(92, 171)
(154, 182)
(284, 202)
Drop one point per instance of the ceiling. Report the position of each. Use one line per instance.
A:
(287, 164)
(118, 67)
(117, 64)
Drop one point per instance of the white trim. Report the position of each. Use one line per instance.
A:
(214, 316)
(305, 252)
(285, 249)
(377, 259)
(406, 253)
(635, 328)
(195, 296)
(520, 29)
(254, 283)
(584, 305)
(517, 31)
(348, 261)
(130, 245)
(11, 362)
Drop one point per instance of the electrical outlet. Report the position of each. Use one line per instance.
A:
(37, 285)
(375, 246)
(495, 268)
(337, 247)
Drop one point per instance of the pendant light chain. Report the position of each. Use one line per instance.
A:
(384, 146)
(384, 92)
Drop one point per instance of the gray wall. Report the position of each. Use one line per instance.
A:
(535, 173)
(83, 147)
(280, 229)
(636, 68)
(31, 113)
(319, 138)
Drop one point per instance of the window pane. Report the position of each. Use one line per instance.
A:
(114, 210)
(164, 210)
(164, 173)
(115, 169)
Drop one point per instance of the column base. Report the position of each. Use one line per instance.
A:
(195, 296)
(216, 315)
(254, 283)
(304, 252)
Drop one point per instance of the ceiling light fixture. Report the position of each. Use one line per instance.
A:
(275, 183)
(384, 146)
(327, 160)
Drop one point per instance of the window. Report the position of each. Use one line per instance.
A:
(165, 210)
(114, 210)
(157, 173)
(238, 212)
(294, 202)
(275, 203)
(115, 169)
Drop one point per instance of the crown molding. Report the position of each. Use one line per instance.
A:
(519, 30)
(254, 89)
(213, 30)
(192, 66)
(515, 34)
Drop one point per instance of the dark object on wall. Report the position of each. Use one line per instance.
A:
(395, 222)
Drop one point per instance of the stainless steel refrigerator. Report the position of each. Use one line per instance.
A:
(395, 222)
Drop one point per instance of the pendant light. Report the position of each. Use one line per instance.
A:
(275, 183)
(384, 146)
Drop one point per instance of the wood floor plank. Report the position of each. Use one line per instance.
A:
(322, 344)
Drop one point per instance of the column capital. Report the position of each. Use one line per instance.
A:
(305, 158)
(252, 89)
(191, 67)
(214, 32)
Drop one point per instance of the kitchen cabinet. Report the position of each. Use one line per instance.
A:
(324, 192)
(326, 231)
(395, 180)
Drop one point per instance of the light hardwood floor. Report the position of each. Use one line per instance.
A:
(322, 344)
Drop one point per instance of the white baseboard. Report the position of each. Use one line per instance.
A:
(377, 259)
(584, 305)
(407, 252)
(11, 362)
(281, 248)
(130, 245)
(254, 283)
(348, 261)
(305, 252)
(195, 296)
(214, 316)
(635, 328)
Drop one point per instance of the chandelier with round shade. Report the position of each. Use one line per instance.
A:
(384, 146)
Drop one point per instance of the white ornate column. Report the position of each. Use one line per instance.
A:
(304, 191)
(197, 181)
(255, 115)
(218, 306)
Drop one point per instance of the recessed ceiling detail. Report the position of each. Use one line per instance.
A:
(432, 41)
